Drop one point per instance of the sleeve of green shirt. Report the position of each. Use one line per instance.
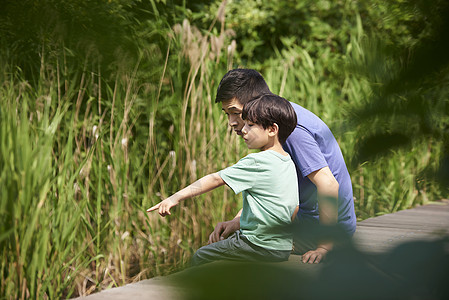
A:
(242, 175)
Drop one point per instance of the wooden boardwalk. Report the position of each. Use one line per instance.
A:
(374, 236)
(385, 232)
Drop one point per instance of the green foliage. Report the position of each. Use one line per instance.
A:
(263, 28)
(408, 102)
(39, 217)
(108, 106)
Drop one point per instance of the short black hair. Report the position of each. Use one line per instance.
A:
(243, 84)
(269, 109)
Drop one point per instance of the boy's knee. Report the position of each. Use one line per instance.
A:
(198, 258)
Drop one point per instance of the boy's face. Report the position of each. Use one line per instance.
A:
(255, 136)
(233, 109)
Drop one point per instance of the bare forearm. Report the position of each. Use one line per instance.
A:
(328, 208)
(327, 189)
(328, 203)
(199, 187)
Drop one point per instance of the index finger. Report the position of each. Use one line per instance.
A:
(211, 238)
(215, 235)
(154, 207)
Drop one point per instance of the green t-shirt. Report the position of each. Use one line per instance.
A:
(269, 188)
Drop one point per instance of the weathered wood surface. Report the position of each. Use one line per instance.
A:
(375, 235)
(382, 233)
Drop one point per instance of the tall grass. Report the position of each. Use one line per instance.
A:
(82, 157)
(39, 215)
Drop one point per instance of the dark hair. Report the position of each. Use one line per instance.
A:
(243, 84)
(269, 109)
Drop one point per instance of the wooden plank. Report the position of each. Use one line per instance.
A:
(380, 239)
(382, 233)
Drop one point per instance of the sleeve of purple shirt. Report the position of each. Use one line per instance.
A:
(305, 151)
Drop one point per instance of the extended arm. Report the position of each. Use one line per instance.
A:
(327, 188)
(201, 186)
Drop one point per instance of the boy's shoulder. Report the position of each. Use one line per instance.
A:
(269, 156)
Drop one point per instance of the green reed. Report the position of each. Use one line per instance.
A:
(82, 158)
(39, 217)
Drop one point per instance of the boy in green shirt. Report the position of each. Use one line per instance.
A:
(268, 183)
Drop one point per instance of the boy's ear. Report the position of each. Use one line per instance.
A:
(273, 130)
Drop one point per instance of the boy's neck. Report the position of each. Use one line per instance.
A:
(274, 145)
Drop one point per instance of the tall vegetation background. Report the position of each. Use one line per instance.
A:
(107, 107)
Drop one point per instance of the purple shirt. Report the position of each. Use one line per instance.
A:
(312, 146)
